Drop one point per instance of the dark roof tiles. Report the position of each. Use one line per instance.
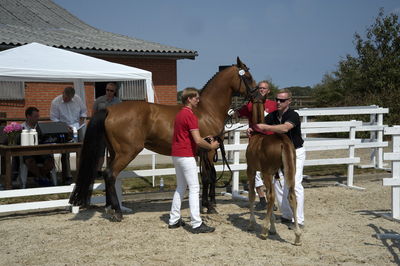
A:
(42, 21)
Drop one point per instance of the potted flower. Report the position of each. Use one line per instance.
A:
(12, 130)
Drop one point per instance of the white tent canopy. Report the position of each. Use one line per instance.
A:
(38, 62)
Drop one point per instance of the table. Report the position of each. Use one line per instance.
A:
(8, 151)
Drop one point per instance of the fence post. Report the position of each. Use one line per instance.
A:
(230, 140)
(396, 174)
(153, 167)
(380, 140)
(236, 160)
(394, 182)
(304, 135)
(372, 138)
(350, 167)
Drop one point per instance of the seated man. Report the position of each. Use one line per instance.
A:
(39, 165)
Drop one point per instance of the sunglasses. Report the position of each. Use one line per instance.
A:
(281, 100)
(262, 88)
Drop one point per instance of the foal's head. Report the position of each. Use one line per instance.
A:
(258, 101)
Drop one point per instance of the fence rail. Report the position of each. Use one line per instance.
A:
(375, 125)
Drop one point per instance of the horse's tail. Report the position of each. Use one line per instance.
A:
(90, 154)
(289, 161)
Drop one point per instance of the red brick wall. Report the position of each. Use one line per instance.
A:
(40, 94)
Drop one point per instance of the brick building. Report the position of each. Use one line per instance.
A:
(42, 21)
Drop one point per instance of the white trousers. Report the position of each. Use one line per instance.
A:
(186, 176)
(258, 179)
(281, 190)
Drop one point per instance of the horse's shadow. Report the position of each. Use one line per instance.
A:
(86, 213)
(242, 220)
(135, 206)
(242, 223)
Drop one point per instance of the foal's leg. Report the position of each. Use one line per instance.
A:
(252, 195)
(270, 217)
(293, 205)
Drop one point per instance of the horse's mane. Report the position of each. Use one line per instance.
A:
(208, 82)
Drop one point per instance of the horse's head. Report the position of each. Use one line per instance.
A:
(246, 83)
(258, 101)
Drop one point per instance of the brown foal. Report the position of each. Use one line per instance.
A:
(268, 154)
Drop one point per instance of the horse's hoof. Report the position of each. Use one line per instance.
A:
(264, 236)
(212, 210)
(250, 228)
(298, 243)
(108, 210)
(272, 232)
(116, 217)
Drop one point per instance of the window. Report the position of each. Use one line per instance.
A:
(132, 90)
(12, 90)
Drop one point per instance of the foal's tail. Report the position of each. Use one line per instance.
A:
(289, 161)
(90, 154)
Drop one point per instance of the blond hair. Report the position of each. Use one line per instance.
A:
(263, 81)
(289, 93)
(187, 93)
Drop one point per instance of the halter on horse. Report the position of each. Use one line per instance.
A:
(268, 154)
(129, 127)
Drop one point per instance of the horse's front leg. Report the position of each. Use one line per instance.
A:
(204, 193)
(252, 196)
(211, 194)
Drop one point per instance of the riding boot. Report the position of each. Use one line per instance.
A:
(261, 205)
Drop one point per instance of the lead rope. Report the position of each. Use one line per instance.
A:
(205, 165)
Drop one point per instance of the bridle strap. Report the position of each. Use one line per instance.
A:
(249, 90)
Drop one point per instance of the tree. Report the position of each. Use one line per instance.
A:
(373, 76)
(300, 91)
(179, 95)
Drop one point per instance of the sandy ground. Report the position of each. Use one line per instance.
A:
(341, 225)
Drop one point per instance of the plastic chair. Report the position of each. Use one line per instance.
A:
(23, 174)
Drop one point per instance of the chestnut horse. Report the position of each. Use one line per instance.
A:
(268, 154)
(131, 126)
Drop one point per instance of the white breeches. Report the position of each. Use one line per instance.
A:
(186, 176)
(281, 191)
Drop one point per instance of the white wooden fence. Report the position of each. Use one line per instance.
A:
(394, 181)
(311, 144)
(374, 125)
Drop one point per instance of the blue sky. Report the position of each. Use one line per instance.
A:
(291, 42)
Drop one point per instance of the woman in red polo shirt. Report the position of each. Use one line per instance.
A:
(185, 140)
